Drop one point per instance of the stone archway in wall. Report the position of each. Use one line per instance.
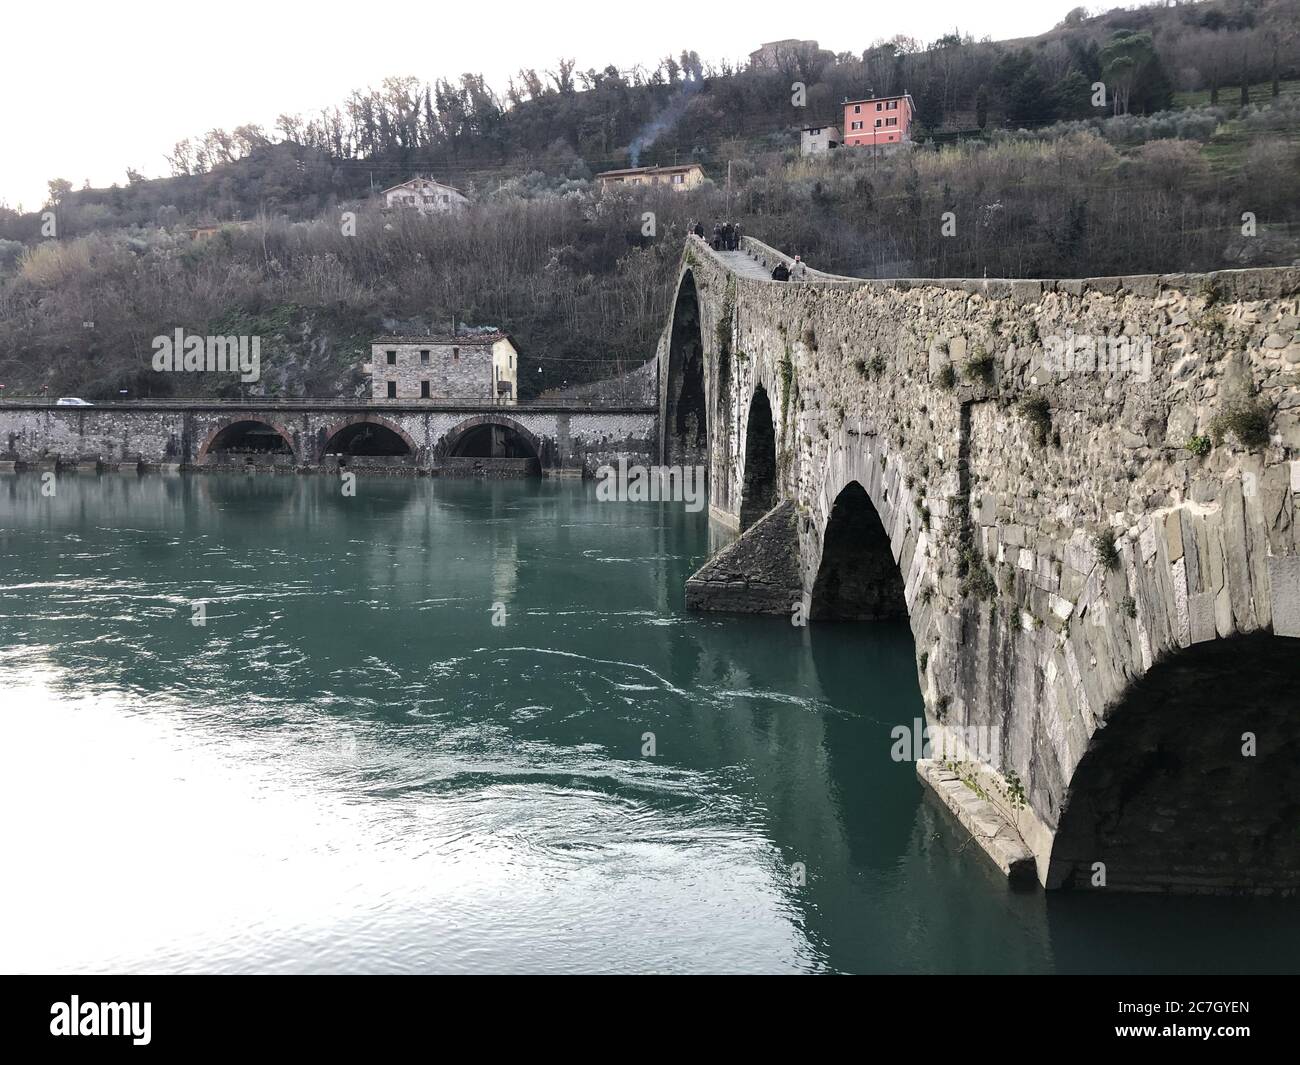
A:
(366, 435)
(1166, 797)
(759, 487)
(857, 578)
(246, 437)
(489, 437)
(686, 422)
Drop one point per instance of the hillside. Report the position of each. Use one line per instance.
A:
(1041, 182)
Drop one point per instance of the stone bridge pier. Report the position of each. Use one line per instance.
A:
(1084, 498)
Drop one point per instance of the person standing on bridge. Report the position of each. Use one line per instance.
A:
(798, 270)
(717, 236)
(780, 273)
(699, 229)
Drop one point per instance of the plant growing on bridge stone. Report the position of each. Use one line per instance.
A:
(1015, 790)
(947, 378)
(1128, 605)
(1200, 446)
(1213, 322)
(1247, 420)
(1039, 414)
(976, 579)
(979, 367)
(1104, 544)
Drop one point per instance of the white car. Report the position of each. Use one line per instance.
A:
(72, 401)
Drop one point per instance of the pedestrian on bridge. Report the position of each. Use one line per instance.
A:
(717, 236)
(798, 270)
(780, 273)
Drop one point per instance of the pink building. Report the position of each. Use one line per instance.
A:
(881, 120)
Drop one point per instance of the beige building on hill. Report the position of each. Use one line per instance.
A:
(679, 178)
(482, 367)
(424, 195)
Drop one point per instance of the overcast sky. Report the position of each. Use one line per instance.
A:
(89, 89)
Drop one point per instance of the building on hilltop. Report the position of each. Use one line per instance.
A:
(880, 120)
(424, 195)
(482, 366)
(774, 55)
(817, 140)
(678, 178)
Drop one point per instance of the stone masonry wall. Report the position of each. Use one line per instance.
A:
(994, 474)
(575, 440)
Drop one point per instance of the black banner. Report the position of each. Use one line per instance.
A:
(145, 1015)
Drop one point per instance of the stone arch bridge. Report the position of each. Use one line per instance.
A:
(304, 435)
(1099, 564)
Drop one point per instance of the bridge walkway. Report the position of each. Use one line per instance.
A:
(742, 264)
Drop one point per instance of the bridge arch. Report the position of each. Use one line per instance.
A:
(246, 434)
(473, 435)
(685, 411)
(759, 488)
(1170, 794)
(366, 434)
(856, 578)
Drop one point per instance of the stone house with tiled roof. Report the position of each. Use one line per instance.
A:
(478, 366)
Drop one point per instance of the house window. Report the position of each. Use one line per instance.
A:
(857, 125)
(880, 107)
(678, 179)
(857, 109)
(455, 353)
(392, 358)
(877, 123)
(891, 122)
(392, 389)
(424, 389)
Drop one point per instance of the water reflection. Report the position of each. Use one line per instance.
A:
(349, 767)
